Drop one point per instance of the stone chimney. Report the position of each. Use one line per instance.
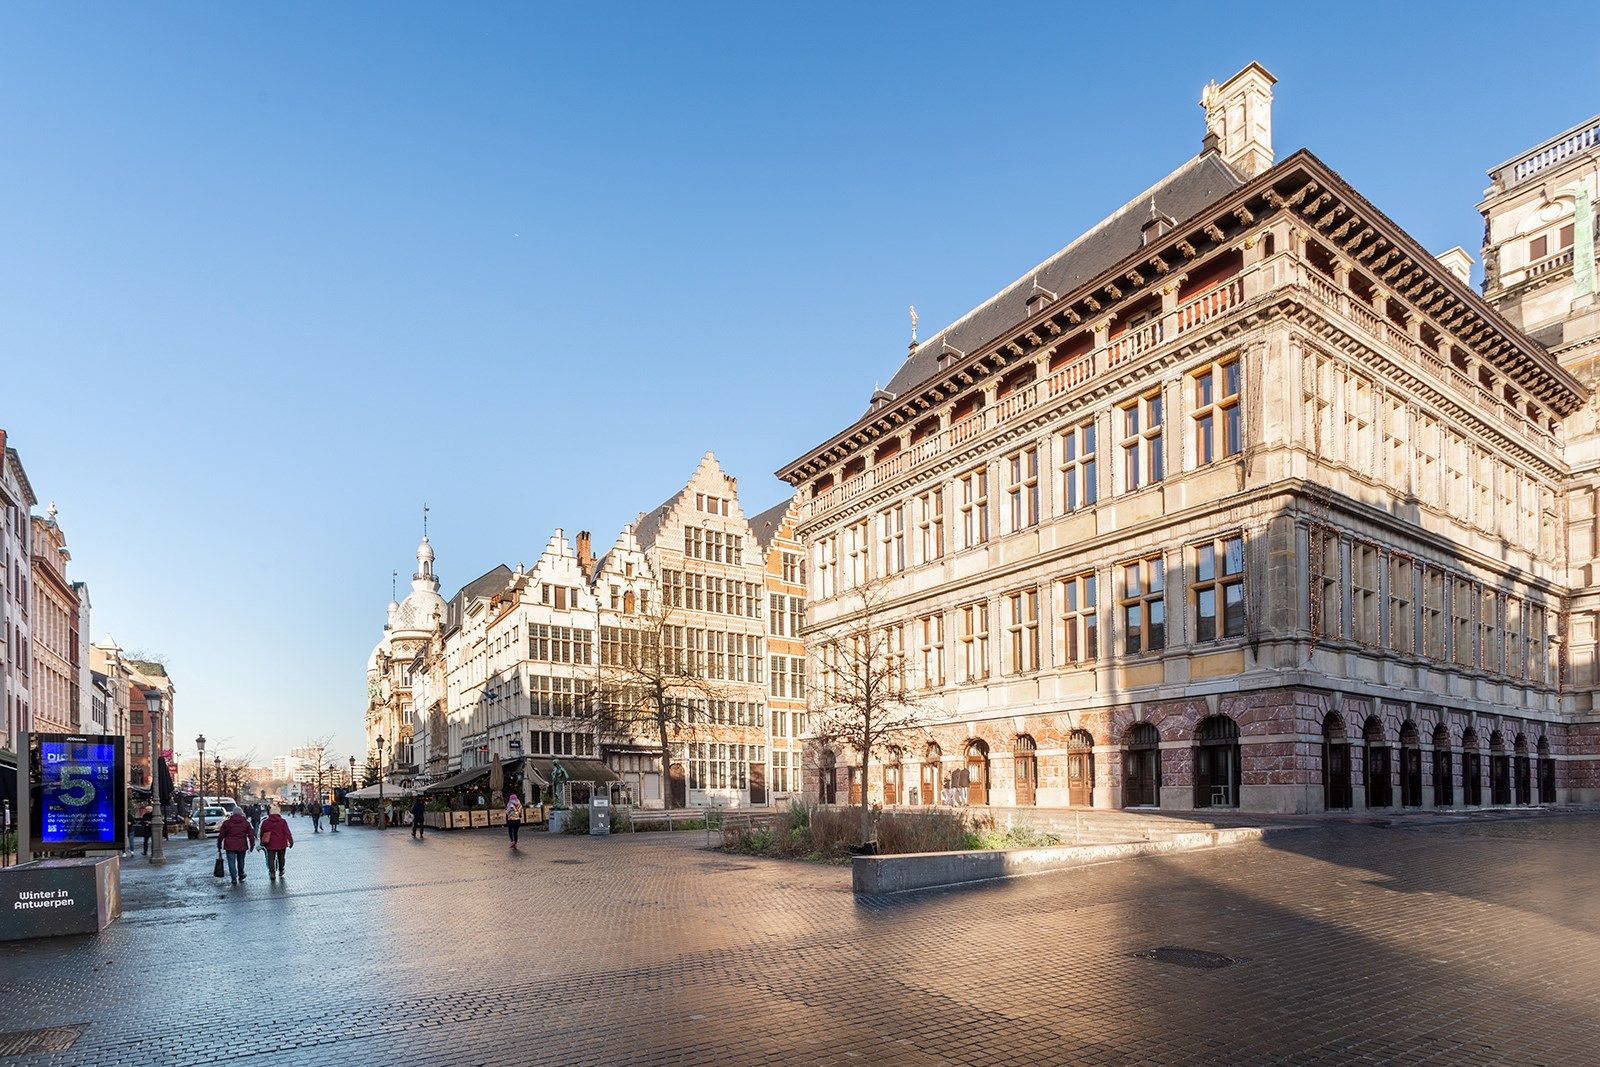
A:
(1457, 261)
(1239, 119)
(585, 553)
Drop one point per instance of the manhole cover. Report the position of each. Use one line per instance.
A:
(49, 1039)
(1188, 957)
(566, 861)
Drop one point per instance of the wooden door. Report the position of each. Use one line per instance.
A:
(1443, 787)
(1500, 778)
(1080, 779)
(1380, 791)
(1472, 778)
(891, 784)
(1410, 777)
(1027, 774)
(1337, 759)
(680, 786)
(758, 783)
(828, 784)
(1140, 782)
(855, 785)
(930, 783)
(1524, 780)
(1547, 780)
(977, 780)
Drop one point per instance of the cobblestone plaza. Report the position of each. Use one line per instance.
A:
(1440, 940)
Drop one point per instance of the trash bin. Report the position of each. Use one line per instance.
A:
(599, 812)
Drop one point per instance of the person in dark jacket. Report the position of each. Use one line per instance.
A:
(235, 838)
(276, 838)
(147, 819)
(314, 810)
(419, 809)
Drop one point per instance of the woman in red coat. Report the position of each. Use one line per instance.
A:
(235, 837)
(275, 838)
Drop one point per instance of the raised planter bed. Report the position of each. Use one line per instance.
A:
(460, 820)
(479, 818)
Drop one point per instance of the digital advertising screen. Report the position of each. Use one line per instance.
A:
(79, 791)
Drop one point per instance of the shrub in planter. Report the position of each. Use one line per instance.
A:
(933, 830)
(578, 821)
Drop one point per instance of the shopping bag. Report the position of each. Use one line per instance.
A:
(216, 869)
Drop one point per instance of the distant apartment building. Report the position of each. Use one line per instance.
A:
(57, 649)
(16, 596)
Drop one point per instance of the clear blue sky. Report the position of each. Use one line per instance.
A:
(274, 274)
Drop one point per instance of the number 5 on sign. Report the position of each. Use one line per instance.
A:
(76, 790)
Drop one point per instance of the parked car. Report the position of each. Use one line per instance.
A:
(213, 818)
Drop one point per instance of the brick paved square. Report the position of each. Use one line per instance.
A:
(1450, 943)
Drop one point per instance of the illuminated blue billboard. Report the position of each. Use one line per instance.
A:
(79, 792)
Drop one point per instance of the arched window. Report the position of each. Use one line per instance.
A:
(892, 777)
(1025, 769)
(1080, 769)
(1216, 763)
(1141, 767)
(1380, 766)
(1410, 766)
(1523, 770)
(828, 779)
(627, 602)
(1471, 768)
(930, 774)
(977, 773)
(1335, 762)
(1443, 768)
(1499, 770)
(1547, 773)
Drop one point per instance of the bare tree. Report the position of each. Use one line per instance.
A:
(648, 682)
(322, 754)
(861, 698)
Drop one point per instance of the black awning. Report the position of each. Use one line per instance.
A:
(457, 781)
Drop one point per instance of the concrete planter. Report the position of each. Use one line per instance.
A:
(929, 870)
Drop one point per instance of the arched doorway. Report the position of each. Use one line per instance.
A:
(1080, 769)
(892, 778)
(828, 779)
(1499, 770)
(1216, 763)
(679, 786)
(857, 777)
(1443, 768)
(1524, 770)
(1141, 768)
(1025, 769)
(1410, 766)
(1380, 765)
(1335, 763)
(1547, 773)
(930, 774)
(977, 773)
(1471, 768)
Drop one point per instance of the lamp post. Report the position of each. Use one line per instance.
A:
(216, 767)
(383, 820)
(200, 784)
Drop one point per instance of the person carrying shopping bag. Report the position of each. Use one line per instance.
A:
(276, 837)
(235, 838)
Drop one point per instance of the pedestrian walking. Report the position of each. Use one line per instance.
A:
(315, 811)
(276, 837)
(147, 819)
(236, 837)
(419, 808)
(513, 819)
(255, 813)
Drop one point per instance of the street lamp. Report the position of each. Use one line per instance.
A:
(217, 767)
(383, 819)
(352, 772)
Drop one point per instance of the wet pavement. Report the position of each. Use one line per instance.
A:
(1459, 942)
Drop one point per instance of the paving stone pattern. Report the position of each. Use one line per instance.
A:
(1472, 942)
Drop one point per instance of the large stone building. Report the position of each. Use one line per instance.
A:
(1243, 498)
(58, 646)
(784, 558)
(16, 593)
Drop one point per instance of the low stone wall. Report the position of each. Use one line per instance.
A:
(929, 870)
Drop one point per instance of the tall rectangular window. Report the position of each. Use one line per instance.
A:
(1144, 605)
(855, 573)
(1022, 489)
(1216, 411)
(1218, 589)
(974, 638)
(1326, 582)
(1080, 631)
(1489, 631)
(1364, 608)
(1022, 631)
(1516, 637)
(930, 526)
(1433, 620)
(1078, 473)
(930, 650)
(1142, 462)
(826, 552)
(973, 488)
(1402, 621)
(1462, 595)
(892, 539)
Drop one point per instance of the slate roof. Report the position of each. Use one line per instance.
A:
(765, 525)
(486, 583)
(1181, 194)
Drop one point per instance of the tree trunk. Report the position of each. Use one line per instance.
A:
(667, 800)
